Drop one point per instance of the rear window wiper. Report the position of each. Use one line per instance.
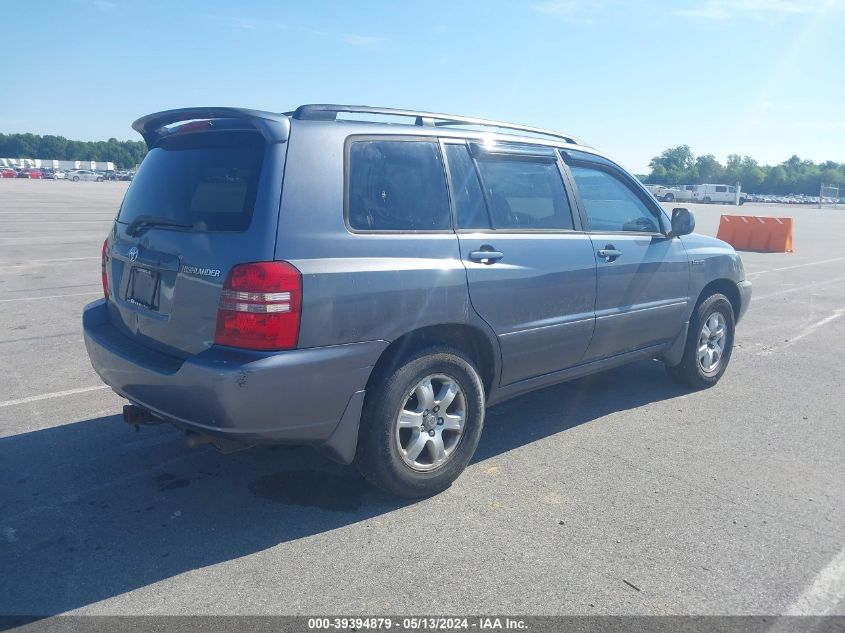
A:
(146, 221)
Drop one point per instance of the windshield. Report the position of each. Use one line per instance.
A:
(207, 181)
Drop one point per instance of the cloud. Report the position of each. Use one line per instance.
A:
(352, 39)
(558, 7)
(245, 25)
(359, 40)
(569, 9)
(757, 9)
(250, 24)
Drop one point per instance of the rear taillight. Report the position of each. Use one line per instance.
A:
(260, 307)
(104, 257)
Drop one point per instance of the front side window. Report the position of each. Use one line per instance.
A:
(525, 194)
(721, 189)
(397, 186)
(609, 204)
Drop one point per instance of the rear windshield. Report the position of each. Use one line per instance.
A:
(207, 181)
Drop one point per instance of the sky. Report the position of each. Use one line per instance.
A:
(762, 78)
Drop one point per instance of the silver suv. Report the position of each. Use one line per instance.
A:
(369, 288)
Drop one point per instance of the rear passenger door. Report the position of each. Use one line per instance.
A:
(530, 267)
(642, 276)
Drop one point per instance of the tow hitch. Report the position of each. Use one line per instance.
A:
(136, 416)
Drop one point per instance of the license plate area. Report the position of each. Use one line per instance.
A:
(144, 288)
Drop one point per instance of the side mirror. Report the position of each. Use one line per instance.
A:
(683, 222)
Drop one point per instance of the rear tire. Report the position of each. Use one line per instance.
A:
(669, 198)
(709, 344)
(707, 200)
(410, 446)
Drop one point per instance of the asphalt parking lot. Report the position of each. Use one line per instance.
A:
(614, 494)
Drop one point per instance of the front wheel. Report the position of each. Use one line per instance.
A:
(709, 344)
(707, 200)
(76, 179)
(421, 425)
(669, 198)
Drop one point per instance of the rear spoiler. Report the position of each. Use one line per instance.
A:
(274, 127)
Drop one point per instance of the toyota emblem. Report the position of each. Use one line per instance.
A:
(133, 253)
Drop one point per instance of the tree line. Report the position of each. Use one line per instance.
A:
(124, 154)
(675, 166)
(678, 166)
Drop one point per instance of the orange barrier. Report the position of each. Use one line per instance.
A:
(755, 233)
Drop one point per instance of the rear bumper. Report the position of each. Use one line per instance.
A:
(294, 397)
(744, 288)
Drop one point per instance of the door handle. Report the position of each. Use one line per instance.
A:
(486, 256)
(609, 253)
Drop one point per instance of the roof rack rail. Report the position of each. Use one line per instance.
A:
(329, 112)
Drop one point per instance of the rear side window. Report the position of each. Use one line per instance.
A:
(470, 209)
(397, 186)
(610, 205)
(525, 194)
(208, 181)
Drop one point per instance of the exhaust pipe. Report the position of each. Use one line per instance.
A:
(225, 446)
(136, 416)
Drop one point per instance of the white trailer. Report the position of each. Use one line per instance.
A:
(725, 194)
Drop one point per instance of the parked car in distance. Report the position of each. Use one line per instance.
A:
(8, 172)
(31, 173)
(53, 174)
(84, 174)
(369, 288)
(125, 175)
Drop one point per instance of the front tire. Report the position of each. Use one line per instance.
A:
(421, 424)
(76, 179)
(669, 198)
(709, 344)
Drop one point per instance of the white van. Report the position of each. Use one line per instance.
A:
(726, 194)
